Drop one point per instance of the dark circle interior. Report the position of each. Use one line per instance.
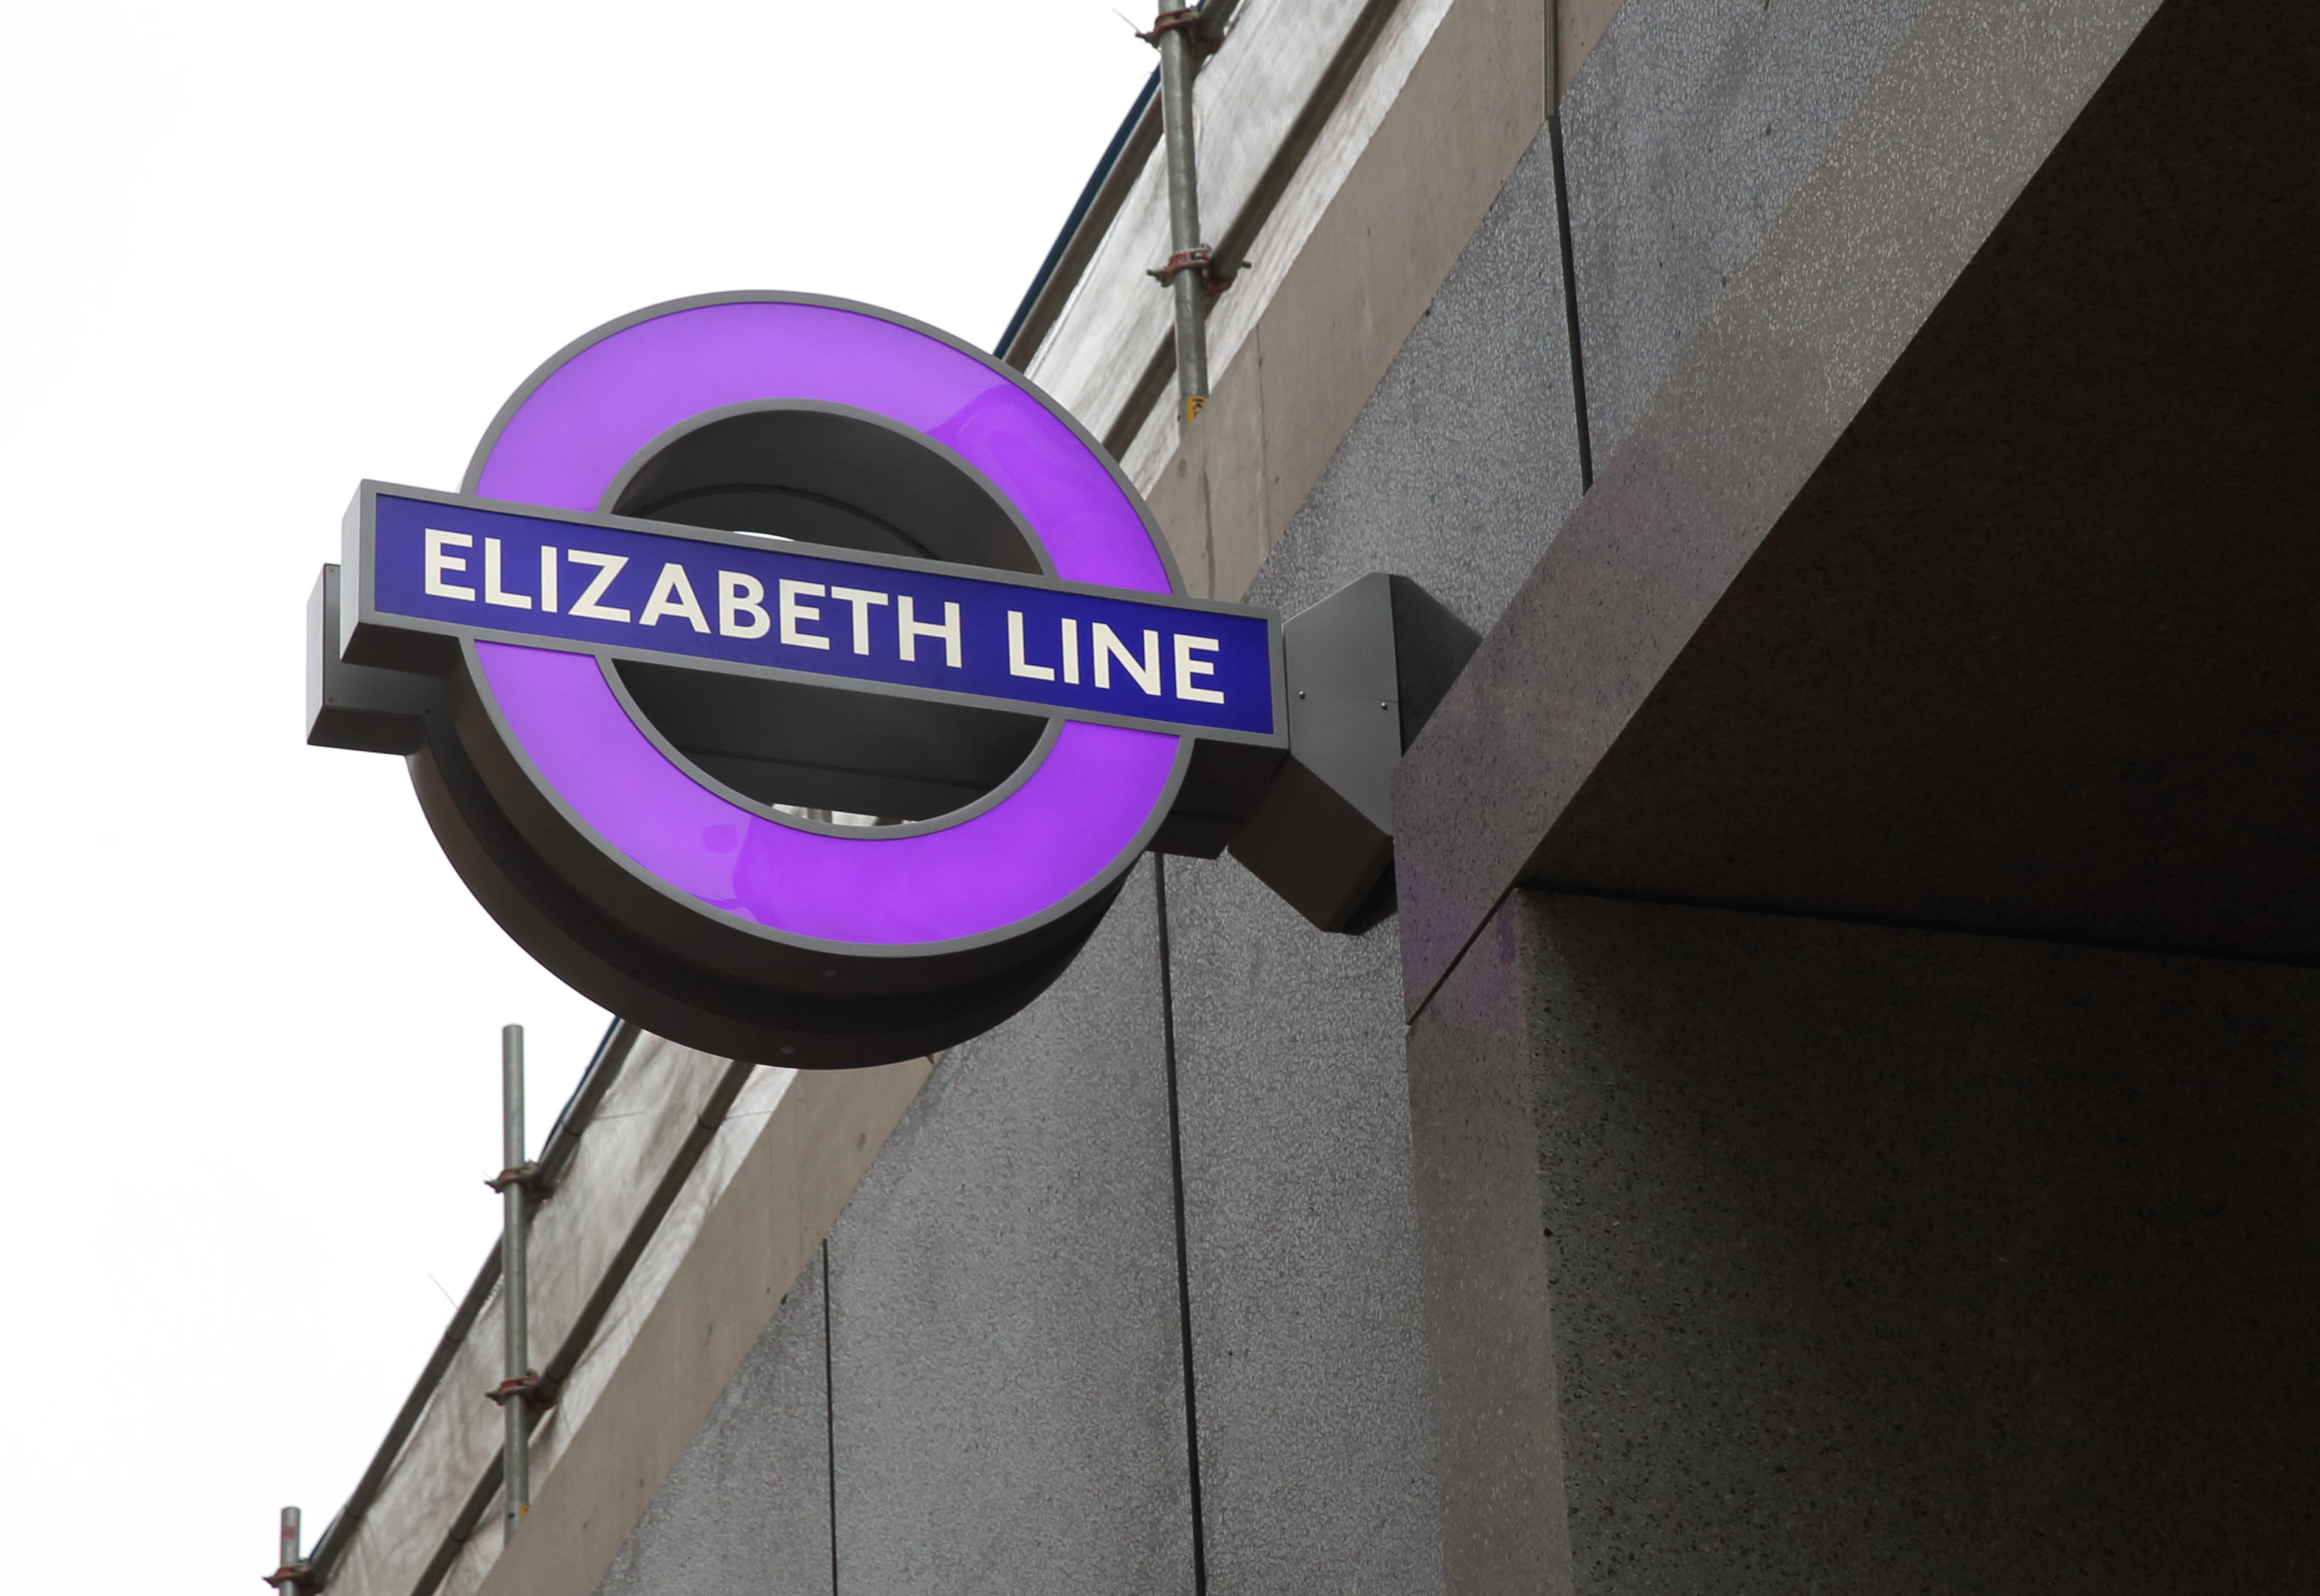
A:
(818, 476)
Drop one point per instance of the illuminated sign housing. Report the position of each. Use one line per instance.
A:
(800, 684)
(640, 719)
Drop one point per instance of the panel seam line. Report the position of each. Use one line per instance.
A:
(1571, 302)
(1184, 1250)
(829, 1413)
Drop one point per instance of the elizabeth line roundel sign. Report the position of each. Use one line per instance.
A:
(791, 678)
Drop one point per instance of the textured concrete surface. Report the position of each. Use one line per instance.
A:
(1691, 126)
(1317, 1455)
(1466, 459)
(745, 1510)
(2028, 650)
(1376, 256)
(1578, 26)
(1938, 151)
(1897, 1260)
(1489, 1326)
(1996, 619)
(1317, 1452)
(1006, 1346)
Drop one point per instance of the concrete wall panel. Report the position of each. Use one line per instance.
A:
(1316, 1441)
(1466, 459)
(1359, 283)
(1886, 1259)
(745, 1510)
(1316, 1465)
(1489, 1327)
(1961, 118)
(1006, 1347)
(1687, 129)
(1578, 26)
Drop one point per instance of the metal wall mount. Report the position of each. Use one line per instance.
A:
(1366, 667)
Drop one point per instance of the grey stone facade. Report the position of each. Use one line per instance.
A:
(1884, 1257)
(1658, 1215)
(747, 1508)
(1006, 1344)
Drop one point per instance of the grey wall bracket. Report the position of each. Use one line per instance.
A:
(1366, 667)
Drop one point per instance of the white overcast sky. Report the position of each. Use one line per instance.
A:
(254, 253)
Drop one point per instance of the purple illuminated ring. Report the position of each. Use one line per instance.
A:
(1067, 828)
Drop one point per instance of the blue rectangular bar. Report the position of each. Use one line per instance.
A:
(811, 610)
